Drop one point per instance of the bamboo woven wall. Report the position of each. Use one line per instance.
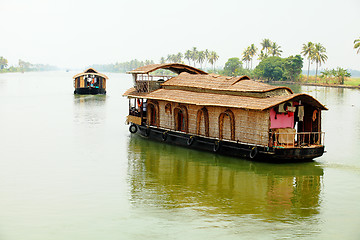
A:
(249, 126)
(82, 83)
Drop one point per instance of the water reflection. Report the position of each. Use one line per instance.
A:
(89, 109)
(173, 177)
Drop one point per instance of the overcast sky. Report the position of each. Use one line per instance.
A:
(77, 33)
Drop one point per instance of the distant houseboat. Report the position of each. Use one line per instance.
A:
(90, 82)
(228, 115)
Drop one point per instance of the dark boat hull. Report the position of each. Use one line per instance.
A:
(89, 90)
(233, 149)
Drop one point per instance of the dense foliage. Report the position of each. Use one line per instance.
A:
(339, 74)
(233, 67)
(279, 69)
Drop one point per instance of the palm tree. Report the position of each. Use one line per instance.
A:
(169, 58)
(319, 56)
(188, 55)
(262, 55)
(357, 45)
(201, 57)
(179, 57)
(246, 57)
(194, 55)
(213, 58)
(266, 45)
(162, 60)
(308, 50)
(275, 49)
(207, 55)
(252, 52)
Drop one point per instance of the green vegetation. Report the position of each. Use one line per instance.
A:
(314, 53)
(3, 63)
(272, 66)
(357, 45)
(352, 81)
(233, 67)
(279, 69)
(307, 50)
(194, 55)
(23, 66)
(337, 75)
(122, 67)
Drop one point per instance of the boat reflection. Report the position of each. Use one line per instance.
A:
(175, 177)
(89, 109)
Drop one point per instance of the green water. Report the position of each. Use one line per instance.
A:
(70, 169)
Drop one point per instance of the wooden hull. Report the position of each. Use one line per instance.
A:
(92, 91)
(229, 148)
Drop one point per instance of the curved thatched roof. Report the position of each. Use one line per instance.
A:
(223, 100)
(174, 67)
(218, 83)
(91, 71)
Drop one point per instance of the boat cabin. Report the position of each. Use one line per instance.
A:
(231, 115)
(90, 82)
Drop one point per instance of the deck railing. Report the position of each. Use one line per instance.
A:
(149, 83)
(301, 139)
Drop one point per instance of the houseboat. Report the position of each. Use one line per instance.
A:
(90, 82)
(227, 115)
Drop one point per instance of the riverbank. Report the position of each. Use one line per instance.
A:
(318, 84)
(325, 85)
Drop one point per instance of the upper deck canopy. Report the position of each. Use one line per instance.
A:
(92, 72)
(174, 67)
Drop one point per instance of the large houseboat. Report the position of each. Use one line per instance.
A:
(228, 115)
(90, 82)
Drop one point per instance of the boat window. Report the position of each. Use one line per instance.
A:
(229, 129)
(202, 122)
(181, 119)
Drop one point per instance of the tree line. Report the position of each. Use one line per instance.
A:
(193, 55)
(23, 66)
(271, 66)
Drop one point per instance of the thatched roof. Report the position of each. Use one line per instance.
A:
(91, 71)
(216, 83)
(174, 67)
(222, 100)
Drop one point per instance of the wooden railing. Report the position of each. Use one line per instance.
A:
(149, 83)
(302, 139)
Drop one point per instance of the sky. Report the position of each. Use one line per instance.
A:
(79, 33)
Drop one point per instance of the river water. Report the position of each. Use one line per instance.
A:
(69, 169)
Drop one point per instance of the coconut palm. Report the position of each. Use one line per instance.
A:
(275, 49)
(201, 57)
(266, 45)
(308, 51)
(207, 55)
(188, 55)
(162, 60)
(194, 55)
(252, 52)
(357, 45)
(213, 58)
(246, 57)
(319, 56)
(262, 55)
(178, 57)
